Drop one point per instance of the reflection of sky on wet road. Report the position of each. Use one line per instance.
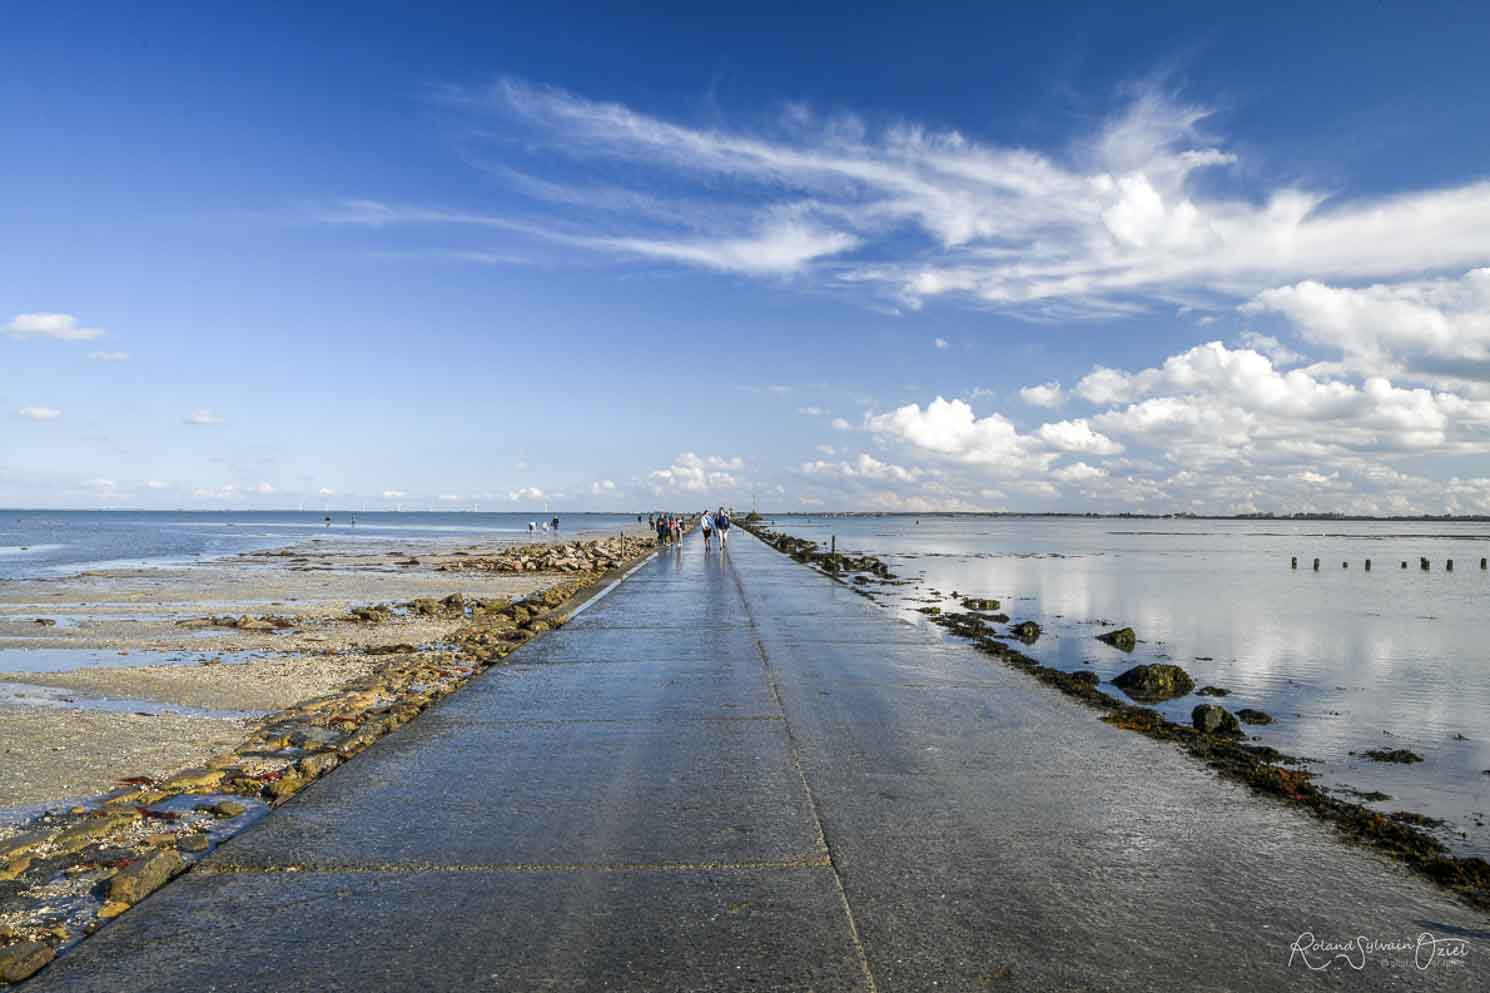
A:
(1343, 659)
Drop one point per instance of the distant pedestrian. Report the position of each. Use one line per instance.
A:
(721, 522)
(661, 531)
(706, 524)
(556, 524)
(531, 528)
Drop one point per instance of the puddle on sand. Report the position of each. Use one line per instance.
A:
(60, 698)
(69, 659)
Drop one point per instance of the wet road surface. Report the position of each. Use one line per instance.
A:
(735, 774)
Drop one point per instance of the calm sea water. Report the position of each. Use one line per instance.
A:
(53, 542)
(1345, 660)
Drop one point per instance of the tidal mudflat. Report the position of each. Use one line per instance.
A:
(1345, 665)
(162, 663)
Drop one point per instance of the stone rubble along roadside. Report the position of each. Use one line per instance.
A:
(114, 851)
(575, 556)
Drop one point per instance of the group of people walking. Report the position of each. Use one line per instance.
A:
(671, 527)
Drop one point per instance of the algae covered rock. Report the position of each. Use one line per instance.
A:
(1026, 631)
(1401, 756)
(1159, 681)
(1250, 716)
(1122, 638)
(1212, 719)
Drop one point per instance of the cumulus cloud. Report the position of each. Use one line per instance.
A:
(59, 327)
(940, 343)
(109, 356)
(1049, 395)
(393, 494)
(264, 489)
(35, 413)
(840, 424)
(1435, 328)
(812, 411)
(202, 417)
(326, 491)
(603, 487)
(527, 494)
(865, 466)
(910, 213)
(696, 474)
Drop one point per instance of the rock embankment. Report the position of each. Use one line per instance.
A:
(571, 556)
(859, 568)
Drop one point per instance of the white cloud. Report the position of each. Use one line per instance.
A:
(1047, 395)
(39, 413)
(812, 411)
(530, 494)
(827, 449)
(1119, 224)
(156, 484)
(109, 356)
(1280, 354)
(448, 498)
(1077, 436)
(60, 327)
(602, 487)
(1437, 328)
(949, 428)
(326, 492)
(202, 416)
(1079, 472)
(694, 474)
(264, 489)
(839, 424)
(940, 343)
(394, 494)
(864, 467)
(100, 485)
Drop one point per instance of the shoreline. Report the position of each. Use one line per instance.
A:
(1264, 770)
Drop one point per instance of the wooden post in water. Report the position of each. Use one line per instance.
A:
(1423, 564)
(1404, 564)
(1293, 563)
(1316, 565)
(1345, 565)
(833, 545)
(1449, 565)
(1482, 563)
(1368, 565)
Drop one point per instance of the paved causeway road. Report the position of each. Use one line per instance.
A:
(734, 774)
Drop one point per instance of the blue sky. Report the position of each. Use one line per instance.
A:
(956, 258)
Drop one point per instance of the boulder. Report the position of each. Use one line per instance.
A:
(1212, 691)
(1122, 638)
(980, 603)
(1211, 719)
(144, 876)
(1026, 631)
(23, 960)
(1401, 756)
(1250, 716)
(1159, 681)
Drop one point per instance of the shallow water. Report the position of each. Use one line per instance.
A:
(40, 543)
(1344, 660)
(58, 698)
(69, 659)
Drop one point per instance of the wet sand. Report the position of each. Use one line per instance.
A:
(63, 750)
